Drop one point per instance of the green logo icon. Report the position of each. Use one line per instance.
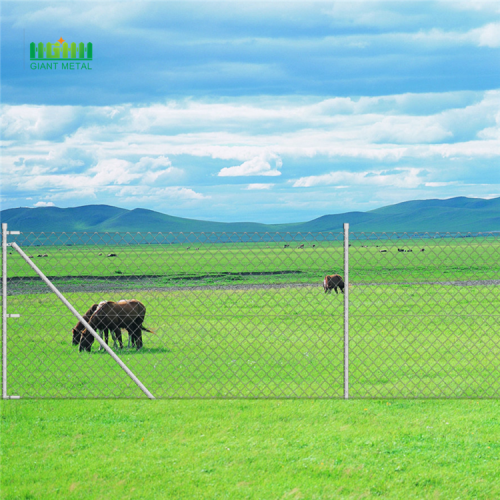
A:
(60, 50)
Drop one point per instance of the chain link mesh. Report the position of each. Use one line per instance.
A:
(245, 315)
(424, 315)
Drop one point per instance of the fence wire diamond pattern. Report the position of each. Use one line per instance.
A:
(246, 315)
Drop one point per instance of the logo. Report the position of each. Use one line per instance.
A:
(69, 55)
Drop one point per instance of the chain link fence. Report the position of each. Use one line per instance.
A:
(248, 315)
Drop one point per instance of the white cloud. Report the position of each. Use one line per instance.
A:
(28, 121)
(478, 5)
(141, 193)
(106, 152)
(44, 204)
(148, 162)
(258, 165)
(182, 193)
(484, 36)
(398, 177)
(157, 170)
(258, 187)
(440, 184)
(487, 36)
(369, 127)
(112, 171)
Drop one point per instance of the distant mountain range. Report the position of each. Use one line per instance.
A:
(454, 215)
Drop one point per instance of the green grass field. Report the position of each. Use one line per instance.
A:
(462, 258)
(278, 337)
(405, 341)
(250, 450)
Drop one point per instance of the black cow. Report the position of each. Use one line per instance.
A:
(127, 314)
(116, 333)
(333, 281)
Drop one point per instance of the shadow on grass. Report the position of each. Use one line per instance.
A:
(132, 351)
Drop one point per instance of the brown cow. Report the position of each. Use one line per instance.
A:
(128, 314)
(333, 281)
(79, 328)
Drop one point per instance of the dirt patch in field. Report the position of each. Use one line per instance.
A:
(28, 286)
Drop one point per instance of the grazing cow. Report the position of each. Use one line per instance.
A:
(286, 246)
(77, 331)
(128, 314)
(111, 255)
(400, 250)
(116, 333)
(301, 246)
(333, 281)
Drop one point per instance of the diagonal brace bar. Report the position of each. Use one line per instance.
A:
(80, 318)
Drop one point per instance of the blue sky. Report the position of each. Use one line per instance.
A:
(269, 112)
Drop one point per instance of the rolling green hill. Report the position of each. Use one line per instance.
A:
(456, 214)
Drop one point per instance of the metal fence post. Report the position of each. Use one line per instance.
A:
(346, 311)
(4, 310)
(5, 233)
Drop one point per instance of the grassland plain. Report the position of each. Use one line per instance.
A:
(405, 341)
(298, 449)
(409, 338)
(462, 258)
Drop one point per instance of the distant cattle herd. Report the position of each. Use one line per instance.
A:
(303, 245)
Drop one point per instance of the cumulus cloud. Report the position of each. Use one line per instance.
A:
(440, 184)
(37, 122)
(377, 141)
(140, 193)
(367, 127)
(182, 193)
(157, 170)
(112, 171)
(259, 165)
(478, 5)
(147, 162)
(488, 35)
(398, 177)
(44, 204)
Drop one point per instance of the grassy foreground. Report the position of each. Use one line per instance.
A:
(250, 449)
